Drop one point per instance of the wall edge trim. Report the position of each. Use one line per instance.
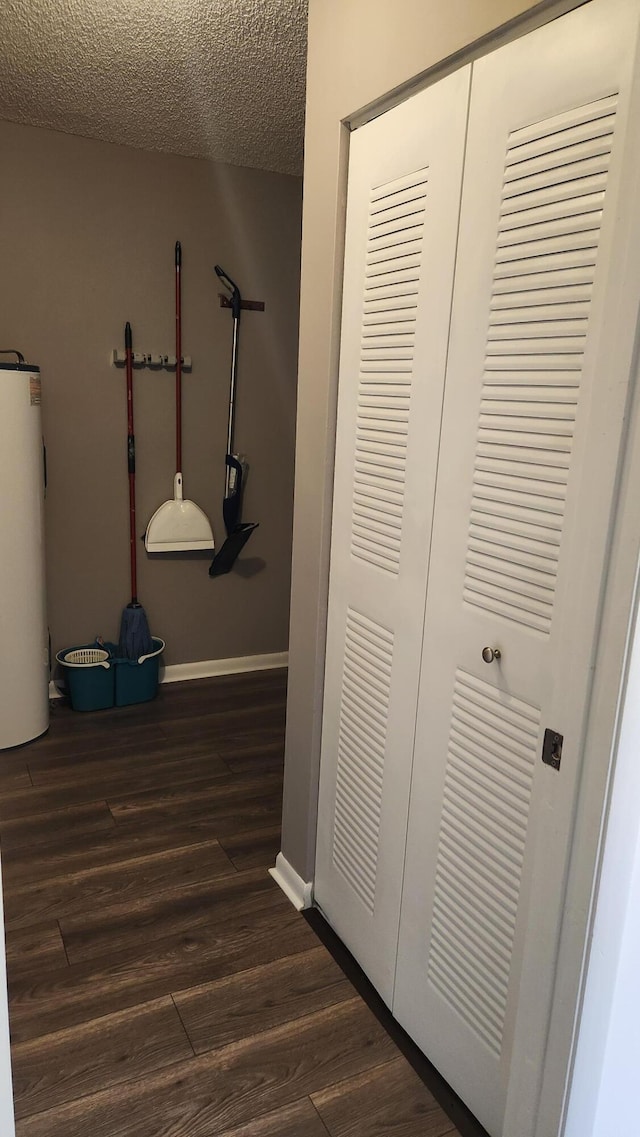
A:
(297, 890)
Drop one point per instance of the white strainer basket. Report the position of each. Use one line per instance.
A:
(84, 657)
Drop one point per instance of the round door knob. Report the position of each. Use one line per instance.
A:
(491, 653)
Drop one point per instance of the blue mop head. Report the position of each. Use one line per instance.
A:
(135, 637)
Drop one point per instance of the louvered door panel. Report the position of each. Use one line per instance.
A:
(362, 739)
(491, 756)
(533, 362)
(403, 204)
(531, 433)
(394, 246)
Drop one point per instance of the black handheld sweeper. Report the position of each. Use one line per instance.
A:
(238, 531)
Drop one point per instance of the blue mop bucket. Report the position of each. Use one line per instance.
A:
(137, 679)
(89, 674)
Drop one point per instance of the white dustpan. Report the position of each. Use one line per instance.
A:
(178, 526)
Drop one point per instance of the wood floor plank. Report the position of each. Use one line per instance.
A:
(163, 764)
(215, 1014)
(22, 803)
(230, 788)
(160, 821)
(63, 750)
(117, 752)
(64, 754)
(255, 758)
(77, 791)
(255, 933)
(172, 912)
(13, 776)
(229, 693)
(58, 825)
(237, 727)
(254, 848)
(80, 893)
(130, 1044)
(298, 1120)
(228, 1087)
(35, 949)
(244, 734)
(389, 1099)
(89, 734)
(102, 849)
(229, 806)
(205, 817)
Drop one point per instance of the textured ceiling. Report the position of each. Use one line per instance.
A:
(220, 79)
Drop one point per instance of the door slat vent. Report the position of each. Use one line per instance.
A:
(393, 262)
(552, 199)
(364, 707)
(493, 743)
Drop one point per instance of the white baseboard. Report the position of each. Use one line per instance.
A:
(208, 668)
(297, 890)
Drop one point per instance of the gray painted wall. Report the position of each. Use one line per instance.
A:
(87, 232)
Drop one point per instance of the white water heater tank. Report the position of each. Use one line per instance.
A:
(24, 640)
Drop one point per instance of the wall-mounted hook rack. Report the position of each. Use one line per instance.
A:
(251, 305)
(152, 359)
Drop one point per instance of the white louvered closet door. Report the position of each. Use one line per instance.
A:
(537, 378)
(405, 174)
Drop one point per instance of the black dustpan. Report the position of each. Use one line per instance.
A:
(233, 546)
(238, 532)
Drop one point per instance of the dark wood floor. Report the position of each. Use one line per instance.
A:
(160, 983)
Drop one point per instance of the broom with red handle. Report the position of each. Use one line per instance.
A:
(135, 638)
